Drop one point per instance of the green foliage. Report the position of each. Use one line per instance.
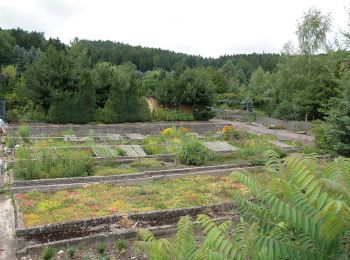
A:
(301, 214)
(82, 82)
(6, 45)
(106, 115)
(48, 253)
(285, 111)
(247, 104)
(192, 152)
(337, 130)
(71, 252)
(203, 113)
(24, 131)
(43, 164)
(121, 245)
(312, 30)
(101, 248)
(162, 249)
(319, 130)
(296, 216)
(192, 87)
(168, 114)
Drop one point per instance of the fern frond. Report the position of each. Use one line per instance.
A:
(301, 176)
(339, 170)
(250, 209)
(185, 243)
(246, 180)
(273, 162)
(296, 197)
(278, 249)
(145, 235)
(336, 219)
(161, 249)
(292, 216)
(217, 239)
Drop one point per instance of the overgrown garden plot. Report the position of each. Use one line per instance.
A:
(55, 158)
(104, 199)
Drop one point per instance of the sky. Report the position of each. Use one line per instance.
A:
(207, 28)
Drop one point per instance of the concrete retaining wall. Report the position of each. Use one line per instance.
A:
(106, 238)
(148, 128)
(141, 178)
(241, 115)
(284, 124)
(126, 176)
(93, 226)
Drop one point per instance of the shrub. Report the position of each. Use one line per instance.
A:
(192, 152)
(203, 113)
(101, 248)
(302, 214)
(105, 115)
(144, 113)
(48, 253)
(173, 132)
(121, 245)
(169, 114)
(43, 164)
(319, 130)
(230, 133)
(71, 252)
(24, 131)
(153, 145)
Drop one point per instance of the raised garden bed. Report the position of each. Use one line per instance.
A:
(99, 200)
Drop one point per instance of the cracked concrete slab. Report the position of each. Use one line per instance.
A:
(7, 229)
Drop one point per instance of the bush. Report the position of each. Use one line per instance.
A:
(106, 115)
(101, 248)
(48, 253)
(192, 152)
(71, 252)
(230, 133)
(203, 113)
(168, 114)
(144, 113)
(121, 245)
(65, 163)
(319, 129)
(24, 131)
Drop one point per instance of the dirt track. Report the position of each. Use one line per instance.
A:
(280, 134)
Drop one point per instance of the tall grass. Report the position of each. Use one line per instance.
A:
(64, 163)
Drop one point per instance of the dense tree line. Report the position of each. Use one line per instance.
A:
(47, 80)
(104, 81)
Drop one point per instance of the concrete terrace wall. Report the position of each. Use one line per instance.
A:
(288, 125)
(241, 115)
(86, 227)
(149, 128)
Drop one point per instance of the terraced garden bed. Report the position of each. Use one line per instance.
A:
(105, 199)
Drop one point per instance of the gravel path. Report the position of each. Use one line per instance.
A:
(280, 134)
(7, 229)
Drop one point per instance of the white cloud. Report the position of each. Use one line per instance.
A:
(208, 28)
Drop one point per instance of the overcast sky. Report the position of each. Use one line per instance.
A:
(209, 28)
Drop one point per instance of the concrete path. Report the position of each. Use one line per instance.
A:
(280, 134)
(7, 229)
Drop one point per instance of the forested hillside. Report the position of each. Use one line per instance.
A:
(47, 80)
(103, 81)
